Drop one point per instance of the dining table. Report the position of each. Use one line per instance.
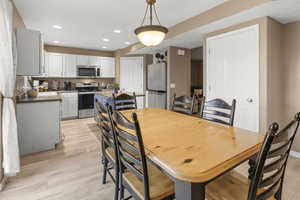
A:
(192, 151)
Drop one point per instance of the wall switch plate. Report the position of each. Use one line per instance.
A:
(181, 52)
(172, 85)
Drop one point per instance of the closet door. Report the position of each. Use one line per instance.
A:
(233, 73)
(132, 74)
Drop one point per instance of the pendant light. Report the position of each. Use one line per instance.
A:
(151, 35)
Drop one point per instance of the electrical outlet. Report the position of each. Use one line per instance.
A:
(172, 85)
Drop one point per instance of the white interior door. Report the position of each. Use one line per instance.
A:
(132, 74)
(233, 72)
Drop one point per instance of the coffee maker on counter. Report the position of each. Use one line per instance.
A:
(67, 85)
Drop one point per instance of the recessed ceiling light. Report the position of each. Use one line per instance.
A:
(127, 43)
(57, 27)
(56, 42)
(117, 31)
(105, 40)
(104, 47)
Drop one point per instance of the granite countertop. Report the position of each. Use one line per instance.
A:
(39, 99)
(110, 92)
(62, 91)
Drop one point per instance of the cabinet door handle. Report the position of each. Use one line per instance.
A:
(250, 100)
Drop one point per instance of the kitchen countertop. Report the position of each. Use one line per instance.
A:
(39, 99)
(62, 91)
(109, 93)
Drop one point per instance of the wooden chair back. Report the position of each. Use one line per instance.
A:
(130, 148)
(183, 104)
(105, 125)
(218, 110)
(124, 102)
(272, 160)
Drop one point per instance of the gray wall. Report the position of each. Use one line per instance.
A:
(291, 73)
(1, 169)
(179, 72)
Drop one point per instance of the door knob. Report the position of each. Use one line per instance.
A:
(250, 100)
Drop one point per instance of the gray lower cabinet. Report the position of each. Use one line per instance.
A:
(38, 126)
(69, 105)
(140, 102)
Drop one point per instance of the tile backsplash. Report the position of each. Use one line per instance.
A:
(21, 82)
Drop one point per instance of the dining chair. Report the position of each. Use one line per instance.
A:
(267, 183)
(183, 104)
(141, 179)
(218, 110)
(108, 147)
(124, 101)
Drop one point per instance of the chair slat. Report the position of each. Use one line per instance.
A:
(284, 135)
(218, 103)
(272, 179)
(275, 164)
(130, 147)
(122, 107)
(121, 120)
(184, 99)
(133, 169)
(125, 135)
(269, 192)
(218, 113)
(130, 158)
(215, 120)
(124, 101)
(281, 150)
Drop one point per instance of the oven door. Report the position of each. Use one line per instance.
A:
(85, 101)
(86, 71)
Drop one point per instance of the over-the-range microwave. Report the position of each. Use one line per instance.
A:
(88, 71)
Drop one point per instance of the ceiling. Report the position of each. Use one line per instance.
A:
(284, 11)
(85, 23)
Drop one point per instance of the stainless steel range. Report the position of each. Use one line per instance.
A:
(86, 92)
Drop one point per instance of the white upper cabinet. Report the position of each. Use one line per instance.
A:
(54, 64)
(107, 67)
(65, 65)
(94, 60)
(82, 60)
(69, 66)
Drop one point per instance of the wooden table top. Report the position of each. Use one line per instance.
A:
(191, 149)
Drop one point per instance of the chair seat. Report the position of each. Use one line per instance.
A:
(160, 186)
(230, 186)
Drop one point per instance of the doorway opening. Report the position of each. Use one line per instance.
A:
(197, 71)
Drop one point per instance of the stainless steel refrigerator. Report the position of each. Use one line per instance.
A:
(157, 85)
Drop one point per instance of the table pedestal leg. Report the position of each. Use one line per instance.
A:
(189, 191)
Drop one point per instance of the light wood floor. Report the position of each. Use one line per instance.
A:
(73, 170)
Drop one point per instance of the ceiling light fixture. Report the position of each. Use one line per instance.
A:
(56, 42)
(151, 35)
(57, 27)
(105, 40)
(104, 47)
(127, 43)
(117, 31)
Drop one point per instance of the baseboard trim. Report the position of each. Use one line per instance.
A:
(295, 154)
(2, 183)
